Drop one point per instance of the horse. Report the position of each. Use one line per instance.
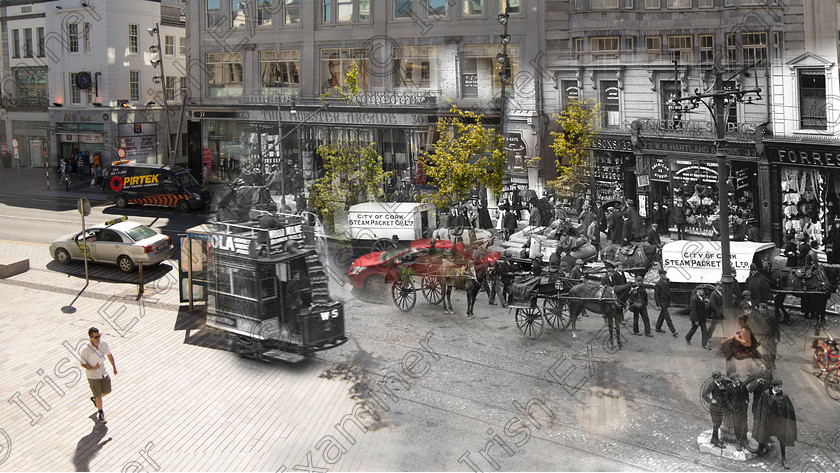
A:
(636, 255)
(813, 288)
(605, 300)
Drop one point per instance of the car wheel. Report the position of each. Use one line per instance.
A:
(375, 284)
(62, 256)
(125, 264)
(120, 201)
(182, 206)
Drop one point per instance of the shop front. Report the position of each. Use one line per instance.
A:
(234, 141)
(612, 171)
(32, 138)
(806, 181)
(683, 175)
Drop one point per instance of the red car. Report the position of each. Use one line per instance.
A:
(372, 270)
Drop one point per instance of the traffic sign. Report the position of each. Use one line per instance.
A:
(14, 142)
(120, 153)
(84, 207)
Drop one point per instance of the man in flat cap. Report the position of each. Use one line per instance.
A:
(739, 400)
(662, 299)
(717, 395)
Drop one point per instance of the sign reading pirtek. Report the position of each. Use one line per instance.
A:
(805, 157)
(141, 181)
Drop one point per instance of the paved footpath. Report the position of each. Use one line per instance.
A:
(176, 405)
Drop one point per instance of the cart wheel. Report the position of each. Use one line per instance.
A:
(382, 244)
(556, 313)
(832, 383)
(432, 289)
(530, 322)
(404, 295)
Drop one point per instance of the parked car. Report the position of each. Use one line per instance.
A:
(120, 242)
(372, 270)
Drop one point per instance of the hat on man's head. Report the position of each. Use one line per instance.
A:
(734, 376)
(746, 293)
(776, 382)
(579, 261)
(716, 374)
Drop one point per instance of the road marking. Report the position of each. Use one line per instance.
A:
(40, 219)
(29, 243)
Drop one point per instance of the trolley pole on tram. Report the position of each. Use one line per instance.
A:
(719, 100)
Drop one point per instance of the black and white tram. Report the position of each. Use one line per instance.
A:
(265, 285)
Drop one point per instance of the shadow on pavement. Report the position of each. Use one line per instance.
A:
(196, 333)
(109, 273)
(89, 446)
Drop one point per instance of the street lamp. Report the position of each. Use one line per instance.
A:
(719, 101)
(161, 79)
(504, 74)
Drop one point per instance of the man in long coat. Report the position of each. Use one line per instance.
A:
(775, 417)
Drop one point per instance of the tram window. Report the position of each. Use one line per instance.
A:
(243, 283)
(268, 289)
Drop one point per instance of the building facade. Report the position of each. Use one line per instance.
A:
(79, 78)
(635, 56)
(259, 71)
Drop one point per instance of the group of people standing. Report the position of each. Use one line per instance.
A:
(85, 166)
(728, 399)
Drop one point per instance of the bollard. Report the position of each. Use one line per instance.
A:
(140, 289)
(48, 177)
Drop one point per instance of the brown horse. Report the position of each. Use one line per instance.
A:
(599, 299)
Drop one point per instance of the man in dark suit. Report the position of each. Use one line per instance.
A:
(619, 278)
(662, 299)
(617, 225)
(576, 274)
(739, 400)
(717, 395)
(509, 223)
(698, 307)
(716, 309)
(758, 285)
(753, 234)
(803, 248)
(653, 235)
(638, 301)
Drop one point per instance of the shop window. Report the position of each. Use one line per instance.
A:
(481, 70)
(570, 91)
(754, 47)
(224, 78)
(804, 207)
(610, 104)
(41, 44)
(416, 67)
(133, 40)
(27, 43)
(73, 37)
(291, 12)
(653, 48)
(604, 48)
(403, 8)
(280, 69)
(265, 8)
(31, 85)
(510, 6)
(438, 8)
(473, 7)
(604, 4)
(812, 114)
(237, 13)
(16, 44)
(336, 63)
(707, 50)
(214, 13)
(680, 48)
(134, 85)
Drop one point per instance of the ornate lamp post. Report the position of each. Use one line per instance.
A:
(717, 101)
(504, 61)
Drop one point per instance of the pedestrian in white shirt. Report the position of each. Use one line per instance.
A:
(93, 361)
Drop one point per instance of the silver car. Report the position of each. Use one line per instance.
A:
(118, 241)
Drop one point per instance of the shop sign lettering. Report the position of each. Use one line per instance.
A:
(696, 147)
(703, 260)
(234, 244)
(613, 144)
(76, 117)
(381, 220)
(659, 170)
(806, 158)
(693, 127)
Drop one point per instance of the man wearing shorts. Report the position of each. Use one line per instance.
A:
(93, 361)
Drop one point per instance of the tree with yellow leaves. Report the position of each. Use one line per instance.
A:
(579, 125)
(466, 155)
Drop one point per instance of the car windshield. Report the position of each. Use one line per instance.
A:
(387, 255)
(186, 179)
(141, 232)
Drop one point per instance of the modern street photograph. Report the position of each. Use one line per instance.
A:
(419, 235)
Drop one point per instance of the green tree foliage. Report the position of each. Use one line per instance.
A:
(466, 155)
(579, 123)
(353, 174)
(351, 90)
